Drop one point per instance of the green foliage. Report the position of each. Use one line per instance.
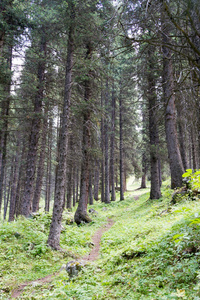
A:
(193, 178)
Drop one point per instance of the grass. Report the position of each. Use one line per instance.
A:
(151, 252)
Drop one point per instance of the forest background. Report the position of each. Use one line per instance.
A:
(106, 89)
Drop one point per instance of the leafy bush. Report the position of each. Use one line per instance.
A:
(193, 178)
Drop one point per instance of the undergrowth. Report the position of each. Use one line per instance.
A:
(151, 252)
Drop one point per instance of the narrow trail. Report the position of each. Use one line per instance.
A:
(92, 256)
(96, 239)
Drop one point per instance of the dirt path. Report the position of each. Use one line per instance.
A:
(92, 256)
(96, 239)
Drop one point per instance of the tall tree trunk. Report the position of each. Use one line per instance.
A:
(106, 138)
(175, 161)
(40, 169)
(35, 133)
(112, 147)
(74, 187)
(69, 187)
(90, 190)
(144, 171)
(102, 152)
(182, 132)
(5, 106)
(96, 180)
(49, 168)
(69, 173)
(7, 196)
(182, 142)
(14, 184)
(21, 178)
(155, 192)
(55, 228)
(77, 185)
(81, 212)
(144, 143)
(121, 161)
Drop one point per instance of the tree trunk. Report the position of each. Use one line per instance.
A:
(144, 170)
(106, 138)
(155, 192)
(112, 148)
(74, 187)
(77, 185)
(182, 132)
(35, 133)
(69, 173)
(49, 168)
(102, 160)
(5, 106)
(81, 212)
(7, 196)
(90, 190)
(40, 169)
(21, 178)
(175, 161)
(55, 228)
(121, 170)
(69, 187)
(14, 186)
(96, 180)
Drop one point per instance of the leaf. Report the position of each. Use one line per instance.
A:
(176, 236)
(187, 173)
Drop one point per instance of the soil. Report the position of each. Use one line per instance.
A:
(96, 239)
(92, 256)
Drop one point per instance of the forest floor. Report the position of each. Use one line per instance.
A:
(136, 249)
(92, 256)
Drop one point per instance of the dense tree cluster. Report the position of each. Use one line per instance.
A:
(107, 89)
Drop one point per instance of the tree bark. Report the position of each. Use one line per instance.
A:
(102, 159)
(106, 138)
(5, 107)
(112, 147)
(49, 169)
(144, 170)
(121, 148)
(81, 212)
(14, 185)
(74, 186)
(55, 228)
(96, 180)
(91, 202)
(40, 169)
(155, 192)
(175, 161)
(35, 133)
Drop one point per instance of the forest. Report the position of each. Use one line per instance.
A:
(100, 128)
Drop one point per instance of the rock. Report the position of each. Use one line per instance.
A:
(90, 244)
(73, 268)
